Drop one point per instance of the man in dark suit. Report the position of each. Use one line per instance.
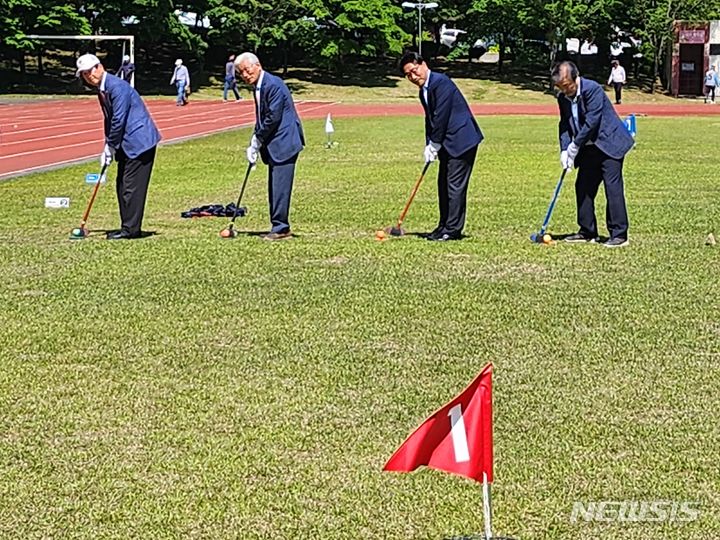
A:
(130, 137)
(278, 137)
(593, 138)
(452, 136)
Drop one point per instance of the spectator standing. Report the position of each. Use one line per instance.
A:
(711, 81)
(617, 80)
(127, 69)
(181, 80)
(230, 80)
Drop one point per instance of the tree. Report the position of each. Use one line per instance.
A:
(366, 28)
(653, 21)
(20, 18)
(498, 19)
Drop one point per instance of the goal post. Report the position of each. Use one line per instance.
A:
(129, 39)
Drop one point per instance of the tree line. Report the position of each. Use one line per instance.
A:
(331, 33)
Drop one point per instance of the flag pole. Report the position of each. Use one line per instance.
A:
(487, 508)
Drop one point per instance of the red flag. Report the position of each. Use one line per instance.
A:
(457, 438)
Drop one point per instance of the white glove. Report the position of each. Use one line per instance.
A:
(252, 154)
(255, 143)
(572, 151)
(107, 156)
(431, 152)
(566, 161)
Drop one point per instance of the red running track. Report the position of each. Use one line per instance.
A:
(49, 134)
(42, 135)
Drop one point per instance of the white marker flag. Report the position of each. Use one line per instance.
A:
(329, 125)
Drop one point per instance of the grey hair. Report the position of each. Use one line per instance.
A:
(248, 57)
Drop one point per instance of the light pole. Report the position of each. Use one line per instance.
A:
(420, 6)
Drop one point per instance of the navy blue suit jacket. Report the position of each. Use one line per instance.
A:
(599, 123)
(128, 124)
(448, 119)
(277, 126)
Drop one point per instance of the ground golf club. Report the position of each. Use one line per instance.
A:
(229, 231)
(397, 230)
(538, 236)
(81, 232)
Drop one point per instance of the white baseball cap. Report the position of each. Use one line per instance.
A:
(178, 62)
(85, 63)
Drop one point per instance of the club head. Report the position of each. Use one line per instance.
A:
(78, 234)
(535, 237)
(395, 231)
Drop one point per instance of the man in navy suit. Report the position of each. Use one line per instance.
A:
(278, 137)
(130, 137)
(593, 138)
(452, 136)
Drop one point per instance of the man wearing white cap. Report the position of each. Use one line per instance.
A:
(181, 79)
(130, 137)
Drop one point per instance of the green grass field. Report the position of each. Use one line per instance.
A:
(185, 386)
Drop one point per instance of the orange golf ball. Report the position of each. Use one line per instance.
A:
(380, 235)
(547, 239)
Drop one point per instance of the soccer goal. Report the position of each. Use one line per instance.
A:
(126, 40)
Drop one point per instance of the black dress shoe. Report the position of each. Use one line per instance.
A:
(121, 235)
(445, 237)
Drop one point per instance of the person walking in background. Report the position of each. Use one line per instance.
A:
(452, 136)
(617, 80)
(131, 138)
(181, 80)
(278, 138)
(593, 137)
(711, 81)
(230, 80)
(127, 68)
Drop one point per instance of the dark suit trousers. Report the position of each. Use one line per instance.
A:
(280, 183)
(453, 178)
(595, 167)
(133, 179)
(618, 91)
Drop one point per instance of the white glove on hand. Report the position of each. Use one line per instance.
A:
(572, 151)
(255, 143)
(566, 161)
(252, 155)
(107, 156)
(431, 152)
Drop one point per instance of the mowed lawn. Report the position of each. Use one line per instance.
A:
(186, 386)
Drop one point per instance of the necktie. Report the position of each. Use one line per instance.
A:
(103, 103)
(256, 97)
(423, 100)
